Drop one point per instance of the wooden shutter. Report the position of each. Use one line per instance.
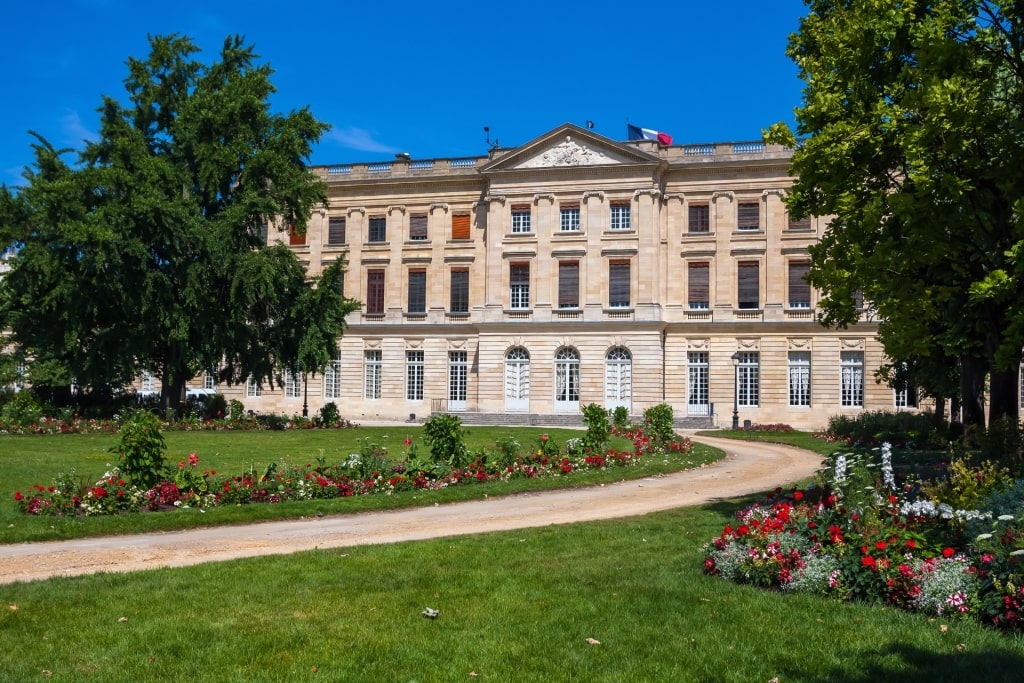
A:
(336, 230)
(294, 238)
(699, 295)
(375, 291)
(460, 291)
(460, 226)
(418, 227)
(700, 218)
(749, 216)
(618, 284)
(802, 224)
(378, 229)
(799, 288)
(748, 284)
(417, 291)
(568, 284)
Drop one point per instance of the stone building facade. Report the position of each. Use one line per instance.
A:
(576, 269)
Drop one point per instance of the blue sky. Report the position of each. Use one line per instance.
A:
(423, 78)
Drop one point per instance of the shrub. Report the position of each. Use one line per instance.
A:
(967, 485)
(237, 410)
(141, 448)
(659, 423)
(445, 438)
(329, 415)
(599, 429)
(901, 428)
(620, 417)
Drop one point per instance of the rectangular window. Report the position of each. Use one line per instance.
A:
(748, 379)
(375, 292)
(519, 284)
(458, 376)
(618, 284)
(372, 369)
(148, 383)
(698, 296)
(332, 378)
(851, 365)
(748, 216)
(418, 227)
(748, 282)
(378, 231)
(569, 218)
(521, 218)
(568, 284)
(459, 302)
(698, 386)
(336, 230)
(905, 397)
(799, 378)
(263, 231)
(799, 288)
(460, 226)
(252, 388)
(417, 291)
(619, 218)
(414, 375)
(295, 239)
(292, 385)
(802, 224)
(699, 218)
(210, 380)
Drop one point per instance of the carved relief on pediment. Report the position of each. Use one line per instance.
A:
(569, 153)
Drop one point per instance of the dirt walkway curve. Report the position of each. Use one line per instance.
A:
(747, 468)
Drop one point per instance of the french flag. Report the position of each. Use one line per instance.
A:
(637, 133)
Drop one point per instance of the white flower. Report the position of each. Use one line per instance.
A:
(983, 537)
(1006, 518)
(887, 475)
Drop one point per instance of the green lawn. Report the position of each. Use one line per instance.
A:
(514, 606)
(28, 460)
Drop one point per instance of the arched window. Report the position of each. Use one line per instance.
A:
(567, 380)
(618, 378)
(517, 379)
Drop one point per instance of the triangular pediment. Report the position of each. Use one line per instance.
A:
(569, 146)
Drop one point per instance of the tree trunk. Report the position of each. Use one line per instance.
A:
(1003, 396)
(972, 391)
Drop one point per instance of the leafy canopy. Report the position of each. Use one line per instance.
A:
(149, 252)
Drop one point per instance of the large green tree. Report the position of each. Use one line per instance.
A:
(148, 254)
(913, 144)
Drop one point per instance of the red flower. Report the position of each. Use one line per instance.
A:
(948, 552)
(18, 495)
(543, 437)
(743, 530)
(911, 543)
(408, 441)
(868, 561)
(193, 459)
(880, 545)
(798, 495)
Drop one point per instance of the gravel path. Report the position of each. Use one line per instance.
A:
(747, 468)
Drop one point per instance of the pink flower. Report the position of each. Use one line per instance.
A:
(193, 459)
(543, 437)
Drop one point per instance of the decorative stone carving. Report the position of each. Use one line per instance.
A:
(357, 209)
(598, 194)
(537, 197)
(728, 195)
(653, 192)
(750, 344)
(698, 344)
(438, 207)
(568, 153)
(800, 344)
(500, 198)
(371, 344)
(780, 193)
(398, 207)
(414, 343)
(852, 344)
(457, 344)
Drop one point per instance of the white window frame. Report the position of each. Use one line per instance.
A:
(332, 379)
(373, 368)
(292, 385)
(519, 293)
(851, 379)
(799, 379)
(414, 373)
(567, 379)
(522, 221)
(517, 379)
(618, 378)
(458, 379)
(253, 388)
(569, 219)
(620, 217)
(748, 379)
(698, 388)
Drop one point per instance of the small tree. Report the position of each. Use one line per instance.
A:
(445, 437)
(141, 449)
(595, 418)
(659, 423)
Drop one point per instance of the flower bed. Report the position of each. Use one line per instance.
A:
(369, 472)
(863, 535)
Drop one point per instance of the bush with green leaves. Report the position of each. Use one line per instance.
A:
(329, 415)
(620, 417)
(236, 410)
(659, 422)
(900, 428)
(446, 439)
(599, 429)
(141, 448)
